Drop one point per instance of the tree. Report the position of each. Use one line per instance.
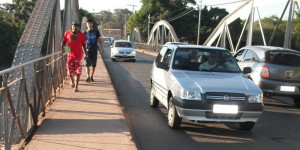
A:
(8, 42)
(13, 19)
(171, 11)
(85, 13)
(20, 10)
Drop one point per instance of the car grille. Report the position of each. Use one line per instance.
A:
(124, 52)
(213, 97)
(211, 115)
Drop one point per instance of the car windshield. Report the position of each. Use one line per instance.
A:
(204, 60)
(287, 58)
(123, 44)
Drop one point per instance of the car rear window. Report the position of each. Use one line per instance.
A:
(123, 44)
(286, 57)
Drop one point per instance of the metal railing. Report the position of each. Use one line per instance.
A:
(149, 47)
(23, 116)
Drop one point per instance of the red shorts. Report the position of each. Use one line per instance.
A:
(74, 66)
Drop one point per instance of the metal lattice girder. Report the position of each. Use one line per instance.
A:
(160, 36)
(228, 19)
(83, 24)
(135, 36)
(71, 13)
(29, 48)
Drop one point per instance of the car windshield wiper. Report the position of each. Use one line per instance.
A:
(184, 68)
(208, 70)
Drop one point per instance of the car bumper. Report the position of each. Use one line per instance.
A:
(273, 87)
(200, 111)
(126, 56)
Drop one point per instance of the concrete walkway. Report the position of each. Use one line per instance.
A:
(88, 119)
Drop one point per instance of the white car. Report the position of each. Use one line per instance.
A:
(203, 83)
(122, 50)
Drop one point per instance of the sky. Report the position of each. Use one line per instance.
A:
(266, 8)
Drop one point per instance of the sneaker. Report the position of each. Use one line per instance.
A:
(88, 80)
(92, 79)
(75, 90)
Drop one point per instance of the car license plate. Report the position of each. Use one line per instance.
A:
(124, 55)
(287, 88)
(228, 109)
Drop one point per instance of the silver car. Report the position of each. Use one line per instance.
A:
(122, 50)
(203, 84)
(275, 70)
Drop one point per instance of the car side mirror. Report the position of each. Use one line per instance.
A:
(247, 70)
(111, 46)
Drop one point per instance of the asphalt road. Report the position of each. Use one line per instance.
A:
(277, 129)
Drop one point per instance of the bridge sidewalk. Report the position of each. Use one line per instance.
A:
(88, 119)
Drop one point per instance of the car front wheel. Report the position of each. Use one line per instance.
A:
(153, 100)
(296, 101)
(247, 126)
(174, 120)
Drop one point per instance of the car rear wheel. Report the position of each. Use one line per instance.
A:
(247, 126)
(153, 100)
(174, 120)
(296, 101)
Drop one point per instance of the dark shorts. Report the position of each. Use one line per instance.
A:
(91, 58)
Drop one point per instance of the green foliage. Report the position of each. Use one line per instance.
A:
(85, 13)
(186, 27)
(20, 10)
(8, 42)
(13, 19)
(115, 20)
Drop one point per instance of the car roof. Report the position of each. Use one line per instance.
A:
(185, 45)
(122, 41)
(264, 48)
(260, 50)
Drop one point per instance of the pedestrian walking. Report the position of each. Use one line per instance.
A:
(92, 37)
(74, 43)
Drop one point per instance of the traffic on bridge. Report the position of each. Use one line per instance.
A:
(185, 74)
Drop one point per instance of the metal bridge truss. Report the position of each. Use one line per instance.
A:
(221, 32)
(135, 36)
(33, 80)
(161, 33)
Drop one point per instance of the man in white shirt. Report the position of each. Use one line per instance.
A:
(211, 62)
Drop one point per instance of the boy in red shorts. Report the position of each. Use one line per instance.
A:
(76, 42)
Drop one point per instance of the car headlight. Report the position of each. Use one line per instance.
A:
(190, 95)
(255, 98)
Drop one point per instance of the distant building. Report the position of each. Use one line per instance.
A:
(115, 33)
